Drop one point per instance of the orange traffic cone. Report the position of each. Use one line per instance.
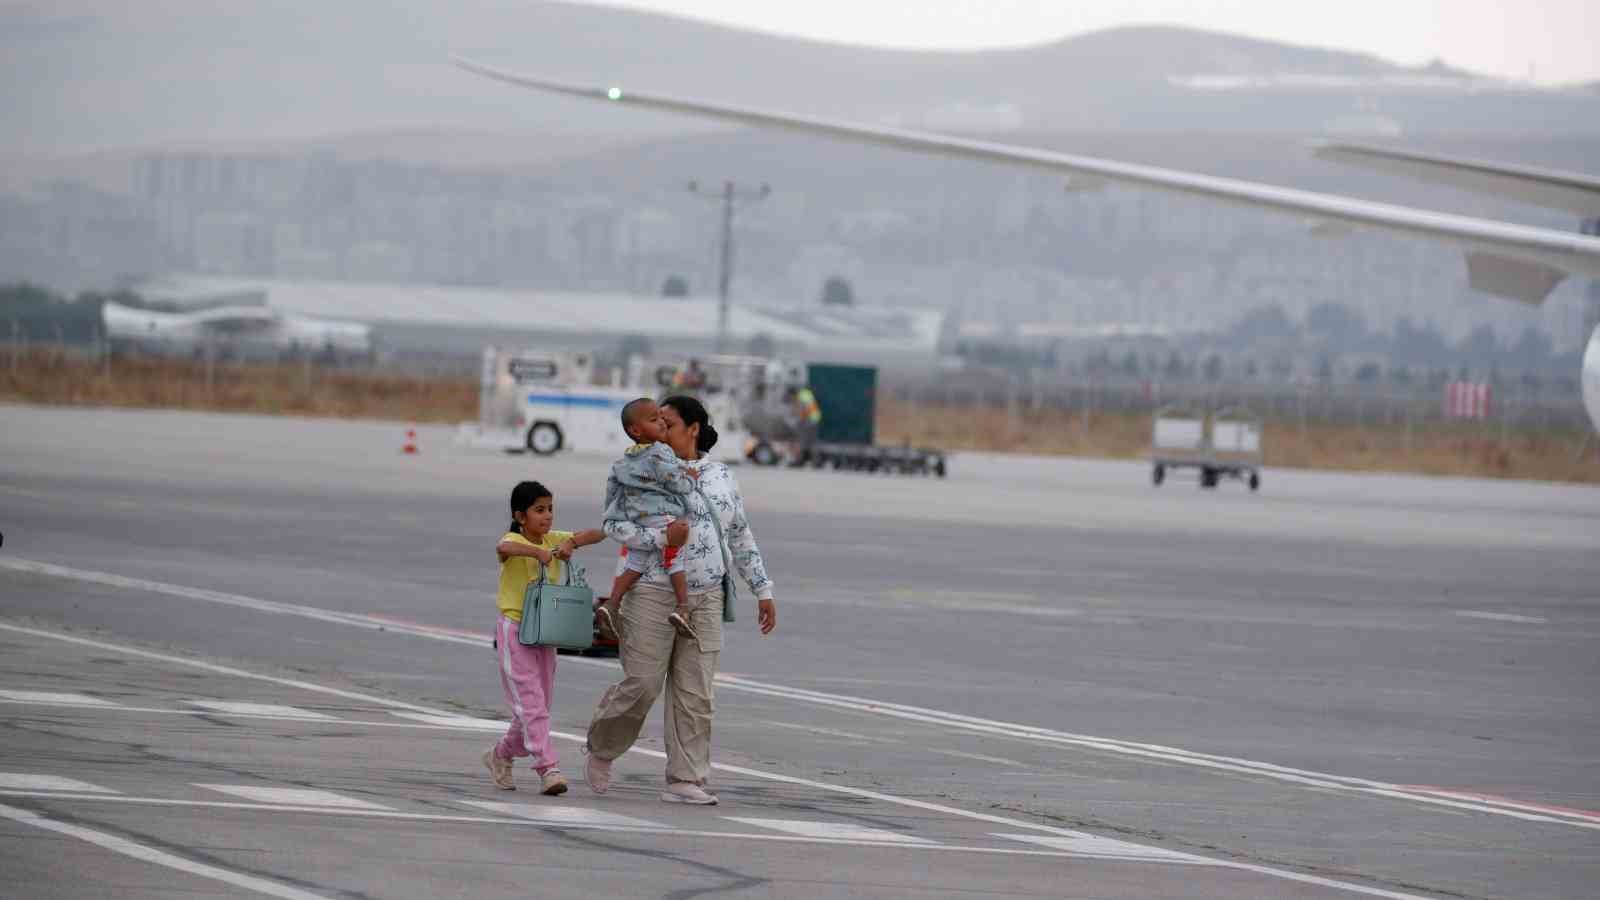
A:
(410, 446)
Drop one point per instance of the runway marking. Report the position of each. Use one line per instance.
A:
(563, 825)
(159, 857)
(24, 781)
(843, 831)
(725, 681)
(1502, 617)
(292, 796)
(656, 754)
(258, 709)
(416, 720)
(563, 815)
(1499, 800)
(54, 698)
(1110, 848)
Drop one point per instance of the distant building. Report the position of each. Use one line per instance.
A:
(459, 322)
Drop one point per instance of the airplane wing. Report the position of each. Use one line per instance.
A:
(1515, 261)
(1571, 191)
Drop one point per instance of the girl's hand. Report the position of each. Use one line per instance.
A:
(564, 552)
(543, 555)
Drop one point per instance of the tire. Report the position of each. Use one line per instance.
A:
(1158, 475)
(1255, 480)
(1208, 478)
(764, 455)
(545, 438)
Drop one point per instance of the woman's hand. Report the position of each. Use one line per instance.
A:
(678, 533)
(767, 617)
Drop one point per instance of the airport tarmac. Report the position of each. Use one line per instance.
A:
(1035, 677)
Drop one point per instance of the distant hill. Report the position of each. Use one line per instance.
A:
(124, 75)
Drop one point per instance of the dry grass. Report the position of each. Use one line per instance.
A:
(1466, 450)
(48, 377)
(45, 376)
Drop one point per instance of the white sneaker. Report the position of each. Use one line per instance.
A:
(499, 770)
(597, 772)
(685, 792)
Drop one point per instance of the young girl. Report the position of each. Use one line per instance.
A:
(528, 674)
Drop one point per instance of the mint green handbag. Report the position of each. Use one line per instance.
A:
(557, 615)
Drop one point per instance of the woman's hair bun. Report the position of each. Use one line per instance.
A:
(708, 438)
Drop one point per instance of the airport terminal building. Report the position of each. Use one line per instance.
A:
(449, 326)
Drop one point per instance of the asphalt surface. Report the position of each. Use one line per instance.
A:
(1033, 678)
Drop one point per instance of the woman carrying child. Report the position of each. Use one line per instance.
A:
(714, 540)
(528, 673)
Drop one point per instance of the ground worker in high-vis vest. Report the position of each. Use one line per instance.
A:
(808, 416)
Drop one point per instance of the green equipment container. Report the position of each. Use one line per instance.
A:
(848, 397)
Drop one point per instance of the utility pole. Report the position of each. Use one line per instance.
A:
(729, 195)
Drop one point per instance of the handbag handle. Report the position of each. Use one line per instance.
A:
(566, 569)
(729, 588)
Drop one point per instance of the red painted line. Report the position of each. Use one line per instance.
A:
(1502, 800)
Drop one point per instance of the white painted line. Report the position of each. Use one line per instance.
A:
(53, 698)
(26, 781)
(1310, 779)
(578, 738)
(531, 823)
(839, 831)
(1502, 617)
(258, 709)
(292, 796)
(468, 722)
(1105, 848)
(564, 815)
(159, 857)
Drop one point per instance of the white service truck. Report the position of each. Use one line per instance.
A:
(548, 402)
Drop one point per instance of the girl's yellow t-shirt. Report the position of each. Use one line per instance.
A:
(517, 571)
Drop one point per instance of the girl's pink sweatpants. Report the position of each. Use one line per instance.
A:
(528, 675)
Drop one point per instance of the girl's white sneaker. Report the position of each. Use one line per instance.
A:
(499, 770)
(552, 782)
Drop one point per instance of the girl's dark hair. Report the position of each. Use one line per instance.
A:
(693, 412)
(524, 495)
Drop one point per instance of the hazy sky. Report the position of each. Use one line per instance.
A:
(1558, 38)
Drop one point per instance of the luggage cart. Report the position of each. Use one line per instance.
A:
(1225, 444)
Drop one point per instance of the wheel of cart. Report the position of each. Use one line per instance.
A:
(1236, 444)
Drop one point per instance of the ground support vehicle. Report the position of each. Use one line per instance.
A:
(844, 442)
(1225, 444)
(549, 402)
(872, 458)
